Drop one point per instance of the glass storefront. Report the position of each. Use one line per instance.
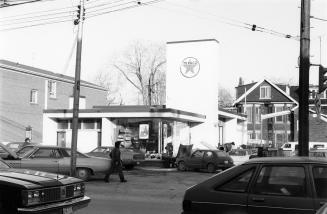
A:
(152, 135)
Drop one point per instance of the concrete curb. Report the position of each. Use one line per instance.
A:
(156, 169)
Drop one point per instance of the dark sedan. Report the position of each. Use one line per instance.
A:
(211, 160)
(262, 185)
(130, 157)
(28, 191)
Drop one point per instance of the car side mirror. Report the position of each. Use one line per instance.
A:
(32, 156)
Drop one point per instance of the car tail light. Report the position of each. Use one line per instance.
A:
(187, 205)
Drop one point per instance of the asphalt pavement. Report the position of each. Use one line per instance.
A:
(148, 190)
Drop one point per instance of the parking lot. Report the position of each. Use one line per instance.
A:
(147, 191)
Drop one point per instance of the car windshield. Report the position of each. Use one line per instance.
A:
(286, 145)
(99, 149)
(13, 145)
(221, 153)
(3, 165)
(25, 151)
(238, 152)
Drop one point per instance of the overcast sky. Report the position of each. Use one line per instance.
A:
(252, 55)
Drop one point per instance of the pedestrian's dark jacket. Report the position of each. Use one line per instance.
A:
(115, 155)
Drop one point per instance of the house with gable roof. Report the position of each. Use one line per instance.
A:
(259, 99)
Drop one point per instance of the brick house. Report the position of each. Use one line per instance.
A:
(262, 98)
(27, 91)
(317, 126)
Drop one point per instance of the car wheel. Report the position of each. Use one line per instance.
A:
(83, 173)
(211, 168)
(181, 166)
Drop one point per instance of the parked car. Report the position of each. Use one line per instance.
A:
(130, 157)
(283, 185)
(319, 153)
(322, 210)
(15, 146)
(240, 156)
(56, 160)
(211, 160)
(28, 191)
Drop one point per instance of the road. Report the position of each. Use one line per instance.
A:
(145, 192)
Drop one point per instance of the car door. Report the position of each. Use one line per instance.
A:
(282, 189)
(222, 159)
(229, 195)
(319, 174)
(43, 159)
(196, 160)
(64, 161)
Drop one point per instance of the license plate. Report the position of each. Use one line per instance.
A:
(137, 163)
(67, 210)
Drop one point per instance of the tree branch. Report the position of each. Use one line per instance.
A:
(123, 72)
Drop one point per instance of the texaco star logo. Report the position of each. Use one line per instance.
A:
(190, 67)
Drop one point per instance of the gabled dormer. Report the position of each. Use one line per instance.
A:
(263, 92)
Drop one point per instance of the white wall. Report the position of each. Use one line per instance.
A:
(108, 132)
(49, 131)
(82, 103)
(230, 131)
(86, 140)
(181, 135)
(198, 94)
(235, 131)
(242, 136)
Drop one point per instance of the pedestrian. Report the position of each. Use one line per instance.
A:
(116, 164)
(27, 142)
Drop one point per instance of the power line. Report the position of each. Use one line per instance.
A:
(111, 11)
(33, 19)
(33, 25)
(138, 4)
(5, 4)
(36, 12)
(66, 20)
(92, 1)
(104, 8)
(104, 4)
(325, 20)
(237, 23)
(38, 20)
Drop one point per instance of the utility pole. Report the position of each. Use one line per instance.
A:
(77, 84)
(304, 69)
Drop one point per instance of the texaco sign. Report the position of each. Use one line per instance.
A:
(190, 67)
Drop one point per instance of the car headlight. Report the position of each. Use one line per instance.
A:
(31, 197)
(79, 189)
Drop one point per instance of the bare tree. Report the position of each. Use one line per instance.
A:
(225, 98)
(104, 79)
(143, 66)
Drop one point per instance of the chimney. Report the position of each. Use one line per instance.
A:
(240, 81)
